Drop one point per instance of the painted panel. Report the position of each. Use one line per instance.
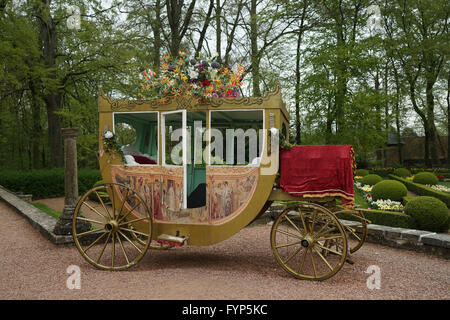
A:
(230, 190)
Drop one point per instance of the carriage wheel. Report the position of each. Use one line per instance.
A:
(117, 219)
(309, 242)
(356, 233)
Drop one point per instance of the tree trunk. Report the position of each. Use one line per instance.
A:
(53, 97)
(378, 115)
(218, 32)
(254, 49)
(37, 131)
(431, 124)
(341, 69)
(205, 27)
(156, 26)
(178, 26)
(448, 119)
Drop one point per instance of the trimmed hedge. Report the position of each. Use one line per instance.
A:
(426, 178)
(402, 172)
(362, 172)
(423, 190)
(389, 189)
(383, 172)
(385, 218)
(46, 183)
(430, 214)
(371, 179)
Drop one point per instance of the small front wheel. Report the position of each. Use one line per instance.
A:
(309, 242)
(120, 227)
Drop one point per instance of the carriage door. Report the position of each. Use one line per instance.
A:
(174, 161)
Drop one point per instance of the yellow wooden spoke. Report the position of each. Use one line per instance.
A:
(126, 238)
(103, 204)
(323, 258)
(135, 232)
(95, 210)
(89, 220)
(292, 255)
(292, 223)
(123, 249)
(289, 234)
(94, 242)
(287, 244)
(104, 247)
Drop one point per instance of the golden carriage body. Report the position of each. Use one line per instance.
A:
(199, 200)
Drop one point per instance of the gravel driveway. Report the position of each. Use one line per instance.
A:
(242, 267)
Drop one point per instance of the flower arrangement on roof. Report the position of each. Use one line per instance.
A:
(201, 79)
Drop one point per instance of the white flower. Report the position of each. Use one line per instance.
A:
(439, 187)
(193, 74)
(108, 135)
(213, 73)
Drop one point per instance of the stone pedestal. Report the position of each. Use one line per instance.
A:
(64, 223)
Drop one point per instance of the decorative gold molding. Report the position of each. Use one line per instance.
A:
(246, 101)
(186, 102)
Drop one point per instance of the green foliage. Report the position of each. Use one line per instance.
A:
(423, 190)
(402, 172)
(389, 189)
(429, 213)
(47, 183)
(385, 218)
(371, 179)
(425, 178)
(362, 172)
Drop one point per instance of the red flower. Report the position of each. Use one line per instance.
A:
(206, 83)
(230, 93)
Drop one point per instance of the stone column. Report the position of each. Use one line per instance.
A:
(64, 224)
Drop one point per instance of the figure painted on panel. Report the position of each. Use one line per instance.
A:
(157, 200)
(227, 195)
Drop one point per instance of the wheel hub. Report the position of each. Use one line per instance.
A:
(112, 226)
(307, 241)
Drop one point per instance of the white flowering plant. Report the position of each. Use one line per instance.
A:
(439, 187)
(365, 188)
(110, 143)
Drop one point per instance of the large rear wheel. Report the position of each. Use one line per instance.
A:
(309, 242)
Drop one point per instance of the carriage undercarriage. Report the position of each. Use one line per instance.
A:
(310, 239)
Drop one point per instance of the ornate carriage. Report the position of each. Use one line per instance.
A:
(174, 185)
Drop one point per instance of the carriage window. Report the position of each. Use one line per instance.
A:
(137, 133)
(173, 137)
(236, 137)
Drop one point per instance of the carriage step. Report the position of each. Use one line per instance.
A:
(171, 240)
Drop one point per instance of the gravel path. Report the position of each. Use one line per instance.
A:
(242, 267)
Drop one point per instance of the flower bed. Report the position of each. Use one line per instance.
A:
(380, 204)
(439, 187)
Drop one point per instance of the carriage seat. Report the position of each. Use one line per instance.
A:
(134, 157)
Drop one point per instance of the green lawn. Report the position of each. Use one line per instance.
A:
(359, 200)
(47, 209)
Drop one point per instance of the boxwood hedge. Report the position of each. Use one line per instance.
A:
(46, 183)
(423, 190)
